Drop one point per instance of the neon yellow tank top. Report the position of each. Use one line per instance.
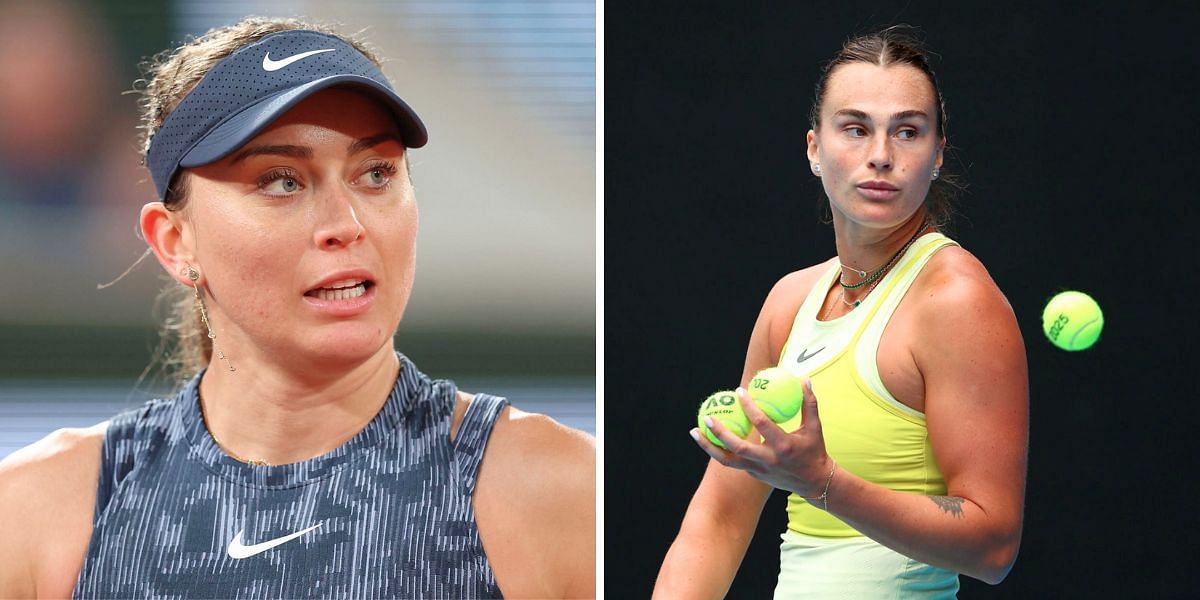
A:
(867, 431)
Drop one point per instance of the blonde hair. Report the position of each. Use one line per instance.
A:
(184, 346)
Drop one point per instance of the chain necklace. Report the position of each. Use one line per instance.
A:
(842, 295)
(875, 277)
(881, 270)
(852, 305)
(254, 462)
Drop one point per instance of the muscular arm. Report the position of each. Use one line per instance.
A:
(536, 507)
(46, 495)
(723, 514)
(972, 359)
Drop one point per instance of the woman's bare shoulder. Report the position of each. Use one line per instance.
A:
(955, 293)
(535, 502)
(538, 450)
(795, 286)
(47, 493)
(47, 465)
(521, 432)
(955, 276)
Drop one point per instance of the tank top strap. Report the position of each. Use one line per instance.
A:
(904, 274)
(473, 434)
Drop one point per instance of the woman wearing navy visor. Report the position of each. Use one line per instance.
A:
(303, 455)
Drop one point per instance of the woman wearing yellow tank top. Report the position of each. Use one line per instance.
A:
(907, 463)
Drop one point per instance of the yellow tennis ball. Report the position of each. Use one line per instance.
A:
(778, 393)
(723, 406)
(1072, 321)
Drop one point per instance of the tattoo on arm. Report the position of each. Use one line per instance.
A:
(950, 504)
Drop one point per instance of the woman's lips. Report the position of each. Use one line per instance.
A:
(343, 302)
(878, 190)
(878, 193)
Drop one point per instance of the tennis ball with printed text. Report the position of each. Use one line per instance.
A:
(777, 392)
(723, 406)
(1072, 321)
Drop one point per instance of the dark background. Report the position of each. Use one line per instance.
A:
(1076, 132)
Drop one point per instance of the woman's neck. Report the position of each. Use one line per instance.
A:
(866, 255)
(864, 250)
(269, 413)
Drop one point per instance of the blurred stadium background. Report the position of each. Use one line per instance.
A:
(505, 291)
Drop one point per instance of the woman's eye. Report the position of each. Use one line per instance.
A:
(279, 182)
(378, 176)
(287, 184)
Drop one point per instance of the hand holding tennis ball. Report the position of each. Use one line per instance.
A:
(777, 392)
(1072, 321)
(724, 407)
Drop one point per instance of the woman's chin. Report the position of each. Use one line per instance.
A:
(879, 216)
(345, 345)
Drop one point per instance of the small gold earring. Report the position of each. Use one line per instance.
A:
(194, 275)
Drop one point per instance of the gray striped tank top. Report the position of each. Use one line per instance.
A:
(387, 514)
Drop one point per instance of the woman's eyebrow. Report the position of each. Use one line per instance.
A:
(276, 150)
(305, 152)
(372, 141)
(862, 116)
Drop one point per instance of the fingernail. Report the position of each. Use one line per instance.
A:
(695, 433)
(741, 391)
(708, 421)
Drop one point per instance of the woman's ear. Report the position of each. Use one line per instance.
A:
(811, 139)
(163, 230)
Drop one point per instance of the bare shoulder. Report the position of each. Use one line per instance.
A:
(535, 504)
(956, 295)
(957, 263)
(532, 436)
(47, 492)
(956, 280)
(795, 286)
(533, 446)
(37, 473)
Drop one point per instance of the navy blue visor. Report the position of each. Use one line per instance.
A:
(246, 91)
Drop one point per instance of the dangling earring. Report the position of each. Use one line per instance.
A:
(936, 172)
(817, 169)
(194, 275)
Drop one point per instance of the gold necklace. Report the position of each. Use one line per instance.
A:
(254, 462)
(881, 270)
(856, 303)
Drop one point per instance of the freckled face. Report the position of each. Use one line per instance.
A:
(321, 199)
(877, 143)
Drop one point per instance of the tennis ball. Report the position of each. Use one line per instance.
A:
(1072, 321)
(724, 407)
(777, 392)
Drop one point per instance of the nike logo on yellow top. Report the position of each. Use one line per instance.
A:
(804, 356)
(275, 65)
(239, 550)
